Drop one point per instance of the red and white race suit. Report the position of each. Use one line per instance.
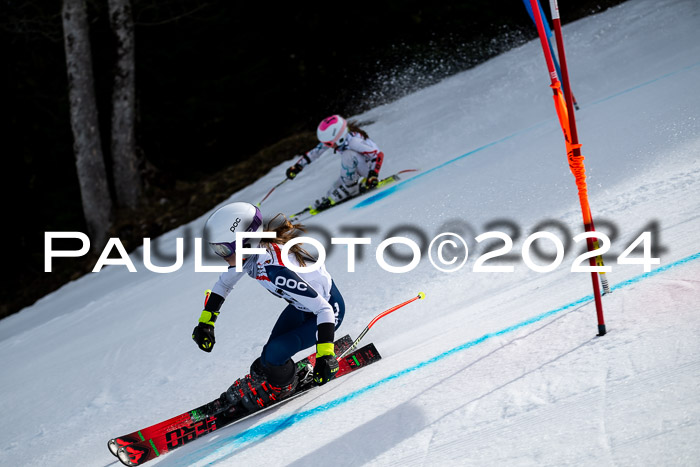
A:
(357, 157)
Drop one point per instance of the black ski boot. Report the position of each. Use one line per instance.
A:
(263, 386)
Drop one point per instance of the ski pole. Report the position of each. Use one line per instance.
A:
(270, 192)
(420, 295)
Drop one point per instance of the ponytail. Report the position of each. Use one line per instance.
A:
(284, 232)
(353, 127)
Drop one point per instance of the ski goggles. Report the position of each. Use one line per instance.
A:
(340, 138)
(336, 144)
(226, 249)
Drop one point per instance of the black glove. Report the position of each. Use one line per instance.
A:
(203, 333)
(326, 365)
(294, 170)
(325, 369)
(370, 182)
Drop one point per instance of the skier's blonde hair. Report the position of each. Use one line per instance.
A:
(284, 232)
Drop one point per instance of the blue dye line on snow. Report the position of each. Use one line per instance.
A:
(646, 83)
(656, 271)
(384, 193)
(401, 185)
(226, 447)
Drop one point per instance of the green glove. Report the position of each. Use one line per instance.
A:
(203, 333)
(326, 365)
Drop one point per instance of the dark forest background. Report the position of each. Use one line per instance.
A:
(225, 91)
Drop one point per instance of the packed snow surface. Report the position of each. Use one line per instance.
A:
(492, 368)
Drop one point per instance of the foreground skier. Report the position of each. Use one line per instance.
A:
(316, 307)
(315, 310)
(360, 160)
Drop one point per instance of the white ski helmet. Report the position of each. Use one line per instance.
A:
(333, 131)
(221, 227)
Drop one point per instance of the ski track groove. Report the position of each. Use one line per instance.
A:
(546, 414)
(606, 438)
(418, 457)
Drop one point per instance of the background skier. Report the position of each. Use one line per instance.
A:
(360, 160)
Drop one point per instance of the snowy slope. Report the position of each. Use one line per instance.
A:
(492, 368)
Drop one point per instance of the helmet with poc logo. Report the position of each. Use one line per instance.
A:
(333, 131)
(221, 227)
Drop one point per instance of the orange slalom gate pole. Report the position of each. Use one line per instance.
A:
(589, 225)
(565, 112)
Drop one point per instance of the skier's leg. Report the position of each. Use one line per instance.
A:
(295, 330)
(338, 193)
(273, 375)
(349, 165)
(290, 318)
(363, 167)
(346, 186)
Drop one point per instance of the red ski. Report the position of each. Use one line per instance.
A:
(146, 444)
(171, 435)
(200, 413)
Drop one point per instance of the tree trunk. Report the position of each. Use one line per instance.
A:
(127, 176)
(89, 162)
